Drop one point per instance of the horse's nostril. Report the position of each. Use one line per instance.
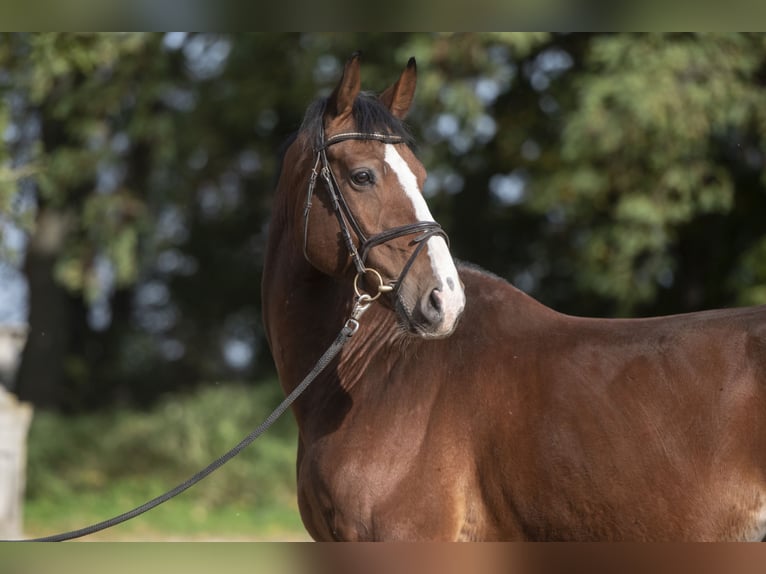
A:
(435, 300)
(432, 307)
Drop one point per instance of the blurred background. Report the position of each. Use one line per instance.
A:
(604, 174)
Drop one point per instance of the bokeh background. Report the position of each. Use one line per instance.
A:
(604, 174)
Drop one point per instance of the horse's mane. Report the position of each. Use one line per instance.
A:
(370, 115)
(470, 266)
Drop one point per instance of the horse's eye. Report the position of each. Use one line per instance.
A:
(362, 177)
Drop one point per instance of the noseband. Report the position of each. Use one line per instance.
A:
(347, 221)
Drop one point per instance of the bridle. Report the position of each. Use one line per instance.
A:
(348, 222)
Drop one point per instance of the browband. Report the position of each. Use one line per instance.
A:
(337, 138)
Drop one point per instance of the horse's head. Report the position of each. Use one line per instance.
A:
(361, 207)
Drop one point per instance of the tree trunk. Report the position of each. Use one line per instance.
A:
(42, 372)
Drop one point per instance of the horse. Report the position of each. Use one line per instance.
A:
(464, 409)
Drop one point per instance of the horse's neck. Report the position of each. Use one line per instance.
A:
(302, 310)
(303, 313)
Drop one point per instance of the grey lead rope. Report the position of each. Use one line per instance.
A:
(342, 338)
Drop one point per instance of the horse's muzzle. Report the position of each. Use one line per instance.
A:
(433, 315)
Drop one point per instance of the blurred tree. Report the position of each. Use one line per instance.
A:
(65, 97)
(604, 174)
(660, 184)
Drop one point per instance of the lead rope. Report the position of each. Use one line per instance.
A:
(361, 304)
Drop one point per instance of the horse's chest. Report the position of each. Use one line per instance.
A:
(389, 490)
(341, 492)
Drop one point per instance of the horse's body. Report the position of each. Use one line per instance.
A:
(520, 422)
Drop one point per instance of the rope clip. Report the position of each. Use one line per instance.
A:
(361, 304)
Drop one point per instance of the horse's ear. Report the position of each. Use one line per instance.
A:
(398, 98)
(341, 102)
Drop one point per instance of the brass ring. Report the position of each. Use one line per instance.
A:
(381, 287)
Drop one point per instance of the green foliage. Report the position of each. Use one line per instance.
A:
(113, 461)
(642, 148)
(78, 86)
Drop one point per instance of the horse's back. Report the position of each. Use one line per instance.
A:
(639, 429)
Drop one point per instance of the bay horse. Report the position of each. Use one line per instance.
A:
(463, 409)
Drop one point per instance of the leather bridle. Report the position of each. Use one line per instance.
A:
(347, 221)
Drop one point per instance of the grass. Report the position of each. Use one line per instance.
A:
(82, 470)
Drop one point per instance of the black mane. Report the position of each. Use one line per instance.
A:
(370, 116)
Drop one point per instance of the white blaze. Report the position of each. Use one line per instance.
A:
(453, 298)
